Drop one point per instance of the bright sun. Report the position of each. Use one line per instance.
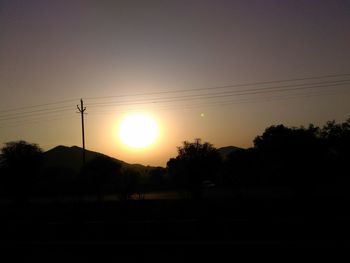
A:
(138, 130)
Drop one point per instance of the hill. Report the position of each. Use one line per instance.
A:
(225, 151)
(70, 158)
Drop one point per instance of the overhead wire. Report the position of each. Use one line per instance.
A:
(35, 111)
(224, 86)
(34, 121)
(21, 116)
(284, 88)
(223, 102)
(38, 105)
(208, 95)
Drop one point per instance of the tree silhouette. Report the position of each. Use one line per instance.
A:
(20, 162)
(98, 175)
(242, 168)
(292, 156)
(195, 163)
(337, 138)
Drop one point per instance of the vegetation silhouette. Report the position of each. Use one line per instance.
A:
(305, 160)
(195, 163)
(20, 165)
(98, 175)
(291, 156)
(293, 182)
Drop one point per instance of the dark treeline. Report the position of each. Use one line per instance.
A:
(306, 160)
(24, 173)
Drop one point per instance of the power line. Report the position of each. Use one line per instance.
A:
(35, 121)
(24, 115)
(285, 88)
(34, 111)
(212, 93)
(225, 86)
(346, 81)
(191, 97)
(36, 106)
(217, 103)
(185, 90)
(224, 103)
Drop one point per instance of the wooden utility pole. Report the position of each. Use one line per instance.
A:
(81, 110)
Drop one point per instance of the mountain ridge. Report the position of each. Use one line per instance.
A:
(70, 157)
(226, 150)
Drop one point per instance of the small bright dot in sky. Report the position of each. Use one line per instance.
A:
(176, 61)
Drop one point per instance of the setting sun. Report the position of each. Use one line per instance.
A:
(138, 130)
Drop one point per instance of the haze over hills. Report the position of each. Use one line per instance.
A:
(71, 157)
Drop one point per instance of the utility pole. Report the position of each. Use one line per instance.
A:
(81, 110)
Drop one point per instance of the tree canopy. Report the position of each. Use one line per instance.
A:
(19, 155)
(195, 162)
(20, 162)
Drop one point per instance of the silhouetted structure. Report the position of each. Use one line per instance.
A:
(82, 109)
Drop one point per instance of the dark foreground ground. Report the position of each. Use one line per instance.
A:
(178, 227)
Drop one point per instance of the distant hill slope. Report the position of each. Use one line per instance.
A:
(225, 151)
(71, 158)
(67, 157)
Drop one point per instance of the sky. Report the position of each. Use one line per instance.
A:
(222, 71)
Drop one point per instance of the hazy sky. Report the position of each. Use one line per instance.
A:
(170, 59)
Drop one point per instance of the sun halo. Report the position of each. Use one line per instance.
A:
(138, 131)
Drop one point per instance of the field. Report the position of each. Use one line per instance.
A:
(212, 223)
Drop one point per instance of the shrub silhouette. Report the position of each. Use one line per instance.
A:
(20, 163)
